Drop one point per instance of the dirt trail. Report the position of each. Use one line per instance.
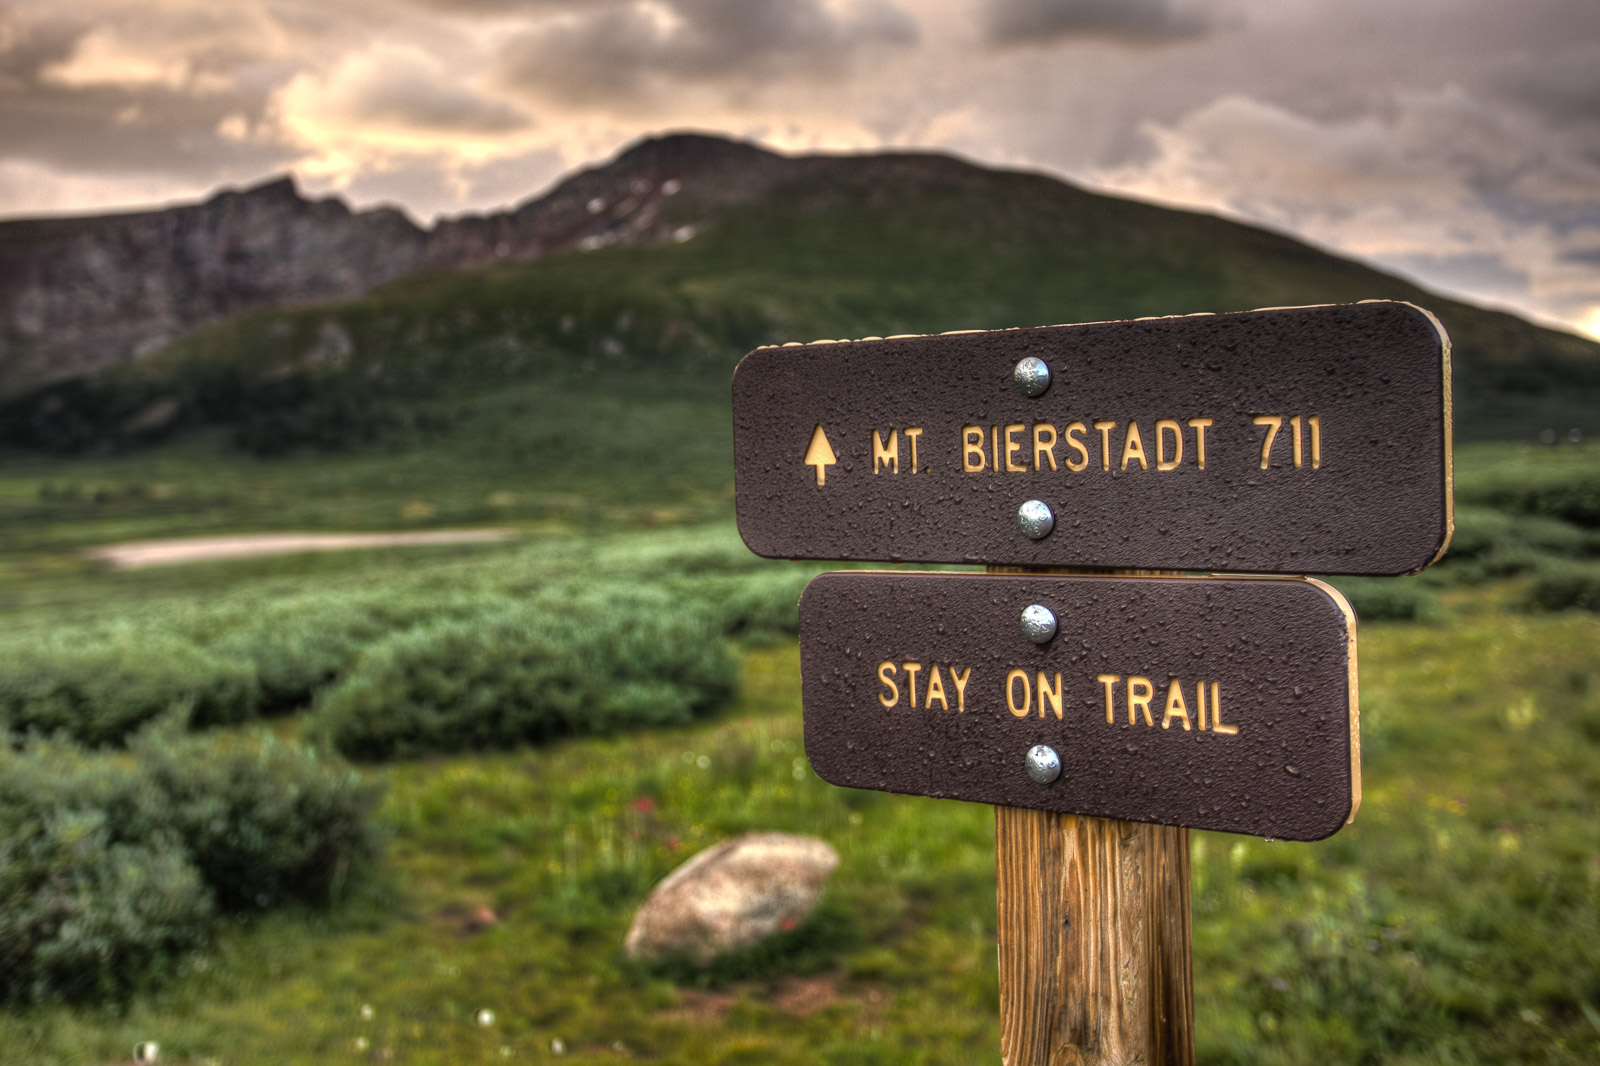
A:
(134, 555)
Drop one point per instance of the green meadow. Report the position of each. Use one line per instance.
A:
(1458, 919)
(399, 805)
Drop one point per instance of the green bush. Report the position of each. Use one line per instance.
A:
(763, 603)
(1388, 599)
(1575, 499)
(111, 866)
(300, 644)
(97, 685)
(262, 820)
(595, 659)
(1491, 544)
(1563, 587)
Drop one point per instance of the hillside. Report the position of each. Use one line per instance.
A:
(686, 251)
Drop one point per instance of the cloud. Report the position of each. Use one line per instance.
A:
(622, 51)
(391, 90)
(1457, 140)
(1476, 196)
(395, 122)
(1009, 23)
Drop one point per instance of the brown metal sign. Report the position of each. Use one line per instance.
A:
(1211, 703)
(1296, 440)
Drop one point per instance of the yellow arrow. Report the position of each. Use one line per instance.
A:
(820, 455)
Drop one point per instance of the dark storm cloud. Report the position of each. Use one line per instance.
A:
(1010, 23)
(154, 125)
(1565, 85)
(622, 51)
(108, 130)
(26, 50)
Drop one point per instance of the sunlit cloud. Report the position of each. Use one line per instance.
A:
(389, 103)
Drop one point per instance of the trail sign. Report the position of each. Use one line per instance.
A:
(1295, 440)
(1207, 703)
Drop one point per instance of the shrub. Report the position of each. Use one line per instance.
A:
(1490, 544)
(300, 644)
(594, 659)
(761, 603)
(262, 820)
(97, 685)
(1575, 500)
(1565, 586)
(1387, 599)
(110, 866)
(85, 912)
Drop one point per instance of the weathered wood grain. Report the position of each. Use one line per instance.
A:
(1095, 958)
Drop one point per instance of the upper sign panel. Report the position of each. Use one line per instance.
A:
(1297, 440)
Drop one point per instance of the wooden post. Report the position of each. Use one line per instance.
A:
(1096, 961)
(1095, 957)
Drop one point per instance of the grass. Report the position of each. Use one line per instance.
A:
(1457, 921)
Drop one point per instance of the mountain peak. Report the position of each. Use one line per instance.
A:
(691, 151)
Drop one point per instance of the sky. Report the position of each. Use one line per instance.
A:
(1456, 142)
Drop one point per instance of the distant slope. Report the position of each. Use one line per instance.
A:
(687, 251)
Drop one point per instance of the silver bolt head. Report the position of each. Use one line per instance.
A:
(1035, 520)
(1038, 623)
(1044, 765)
(1031, 376)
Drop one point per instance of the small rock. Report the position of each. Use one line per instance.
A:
(731, 896)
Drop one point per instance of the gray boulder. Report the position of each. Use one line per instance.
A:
(732, 896)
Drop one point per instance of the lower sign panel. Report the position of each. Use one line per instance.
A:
(1211, 703)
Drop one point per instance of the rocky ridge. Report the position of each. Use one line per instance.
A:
(79, 294)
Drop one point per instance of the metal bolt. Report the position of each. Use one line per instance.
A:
(1032, 376)
(1044, 765)
(1035, 520)
(1038, 623)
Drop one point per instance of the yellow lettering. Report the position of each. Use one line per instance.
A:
(1054, 695)
(1012, 446)
(893, 695)
(1164, 426)
(1316, 442)
(1200, 425)
(1019, 710)
(911, 669)
(1105, 429)
(1294, 424)
(912, 433)
(1175, 706)
(971, 445)
(1076, 444)
(994, 447)
(961, 687)
(1216, 712)
(935, 690)
(1044, 443)
(1133, 447)
(885, 453)
(1200, 702)
(1139, 692)
(1110, 682)
(1273, 424)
